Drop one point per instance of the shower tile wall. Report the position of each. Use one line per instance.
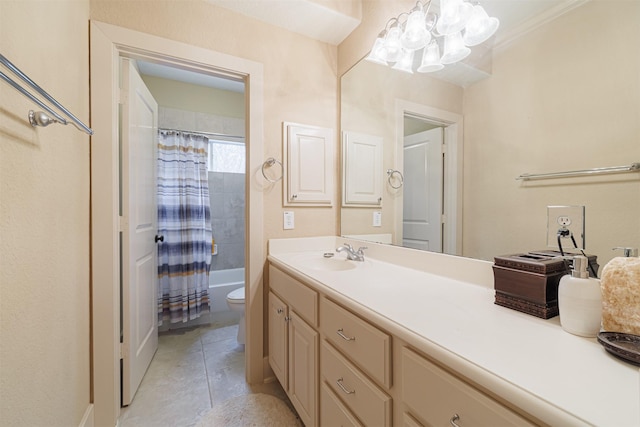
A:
(226, 190)
(226, 193)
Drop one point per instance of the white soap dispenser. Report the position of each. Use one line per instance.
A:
(580, 301)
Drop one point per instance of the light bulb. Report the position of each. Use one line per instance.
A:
(415, 35)
(376, 52)
(480, 27)
(454, 17)
(392, 48)
(454, 49)
(405, 63)
(431, 59)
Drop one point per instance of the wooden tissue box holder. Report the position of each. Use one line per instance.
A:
(529, 283)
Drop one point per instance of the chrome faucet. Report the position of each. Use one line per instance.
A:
(351, 253)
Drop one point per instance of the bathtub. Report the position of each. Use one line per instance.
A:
(221, 282)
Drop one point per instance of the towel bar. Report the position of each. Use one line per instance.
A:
(634, 167)
(58, 118)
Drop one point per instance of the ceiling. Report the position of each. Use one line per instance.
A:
(323, 23)
(311, 19)
(316, 19)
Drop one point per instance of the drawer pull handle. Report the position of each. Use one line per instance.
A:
(453, 420)
(339, 382)
(344, 337)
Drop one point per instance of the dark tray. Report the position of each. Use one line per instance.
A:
(624, 346)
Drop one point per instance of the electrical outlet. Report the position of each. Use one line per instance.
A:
(568, 222)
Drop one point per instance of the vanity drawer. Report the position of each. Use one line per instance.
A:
(436, 397)
(365, 399)
(333, 412)
(365, 345)
(302, 298)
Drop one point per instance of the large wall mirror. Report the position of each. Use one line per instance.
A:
(562, 96)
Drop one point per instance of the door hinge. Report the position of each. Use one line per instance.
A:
(120, 351)
(444, 148)
(123, 224)
(443, 219)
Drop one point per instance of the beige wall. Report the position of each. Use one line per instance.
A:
(557, 100)
(44, 220)
(299, 73)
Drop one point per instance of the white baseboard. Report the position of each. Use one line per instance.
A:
(87, 419)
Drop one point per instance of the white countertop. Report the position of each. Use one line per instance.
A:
(557, 377)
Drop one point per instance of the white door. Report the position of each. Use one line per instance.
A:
(422, 191)
(139, 227)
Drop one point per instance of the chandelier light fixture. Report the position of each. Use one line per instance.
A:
(459, 26)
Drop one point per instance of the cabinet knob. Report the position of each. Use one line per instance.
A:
(343, 336)
(287, 318)
(347, 391)
(280, 311)
(294, 196)
(453, 420)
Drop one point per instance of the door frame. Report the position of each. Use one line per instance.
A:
(107, 44)
(453, 169)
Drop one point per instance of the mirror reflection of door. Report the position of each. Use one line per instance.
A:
(423, 185)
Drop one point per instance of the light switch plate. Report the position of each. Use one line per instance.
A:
(570, 219)
(377, 218)
(288, 220)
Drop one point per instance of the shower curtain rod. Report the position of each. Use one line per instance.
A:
(202, 133)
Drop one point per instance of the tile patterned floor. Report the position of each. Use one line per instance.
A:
(193, 369)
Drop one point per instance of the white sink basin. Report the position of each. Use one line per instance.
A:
(317, 261)
(332, 264)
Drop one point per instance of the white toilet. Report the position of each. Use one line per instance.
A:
(235, 301)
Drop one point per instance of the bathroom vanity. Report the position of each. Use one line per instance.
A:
(414, 338)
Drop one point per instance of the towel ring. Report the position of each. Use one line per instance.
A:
(392, 172)
(268, 163)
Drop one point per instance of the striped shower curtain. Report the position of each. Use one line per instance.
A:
(184, 219)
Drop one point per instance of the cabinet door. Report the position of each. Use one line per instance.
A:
(362, 163)
(278, 355)
(303, 369)
(309, 165)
